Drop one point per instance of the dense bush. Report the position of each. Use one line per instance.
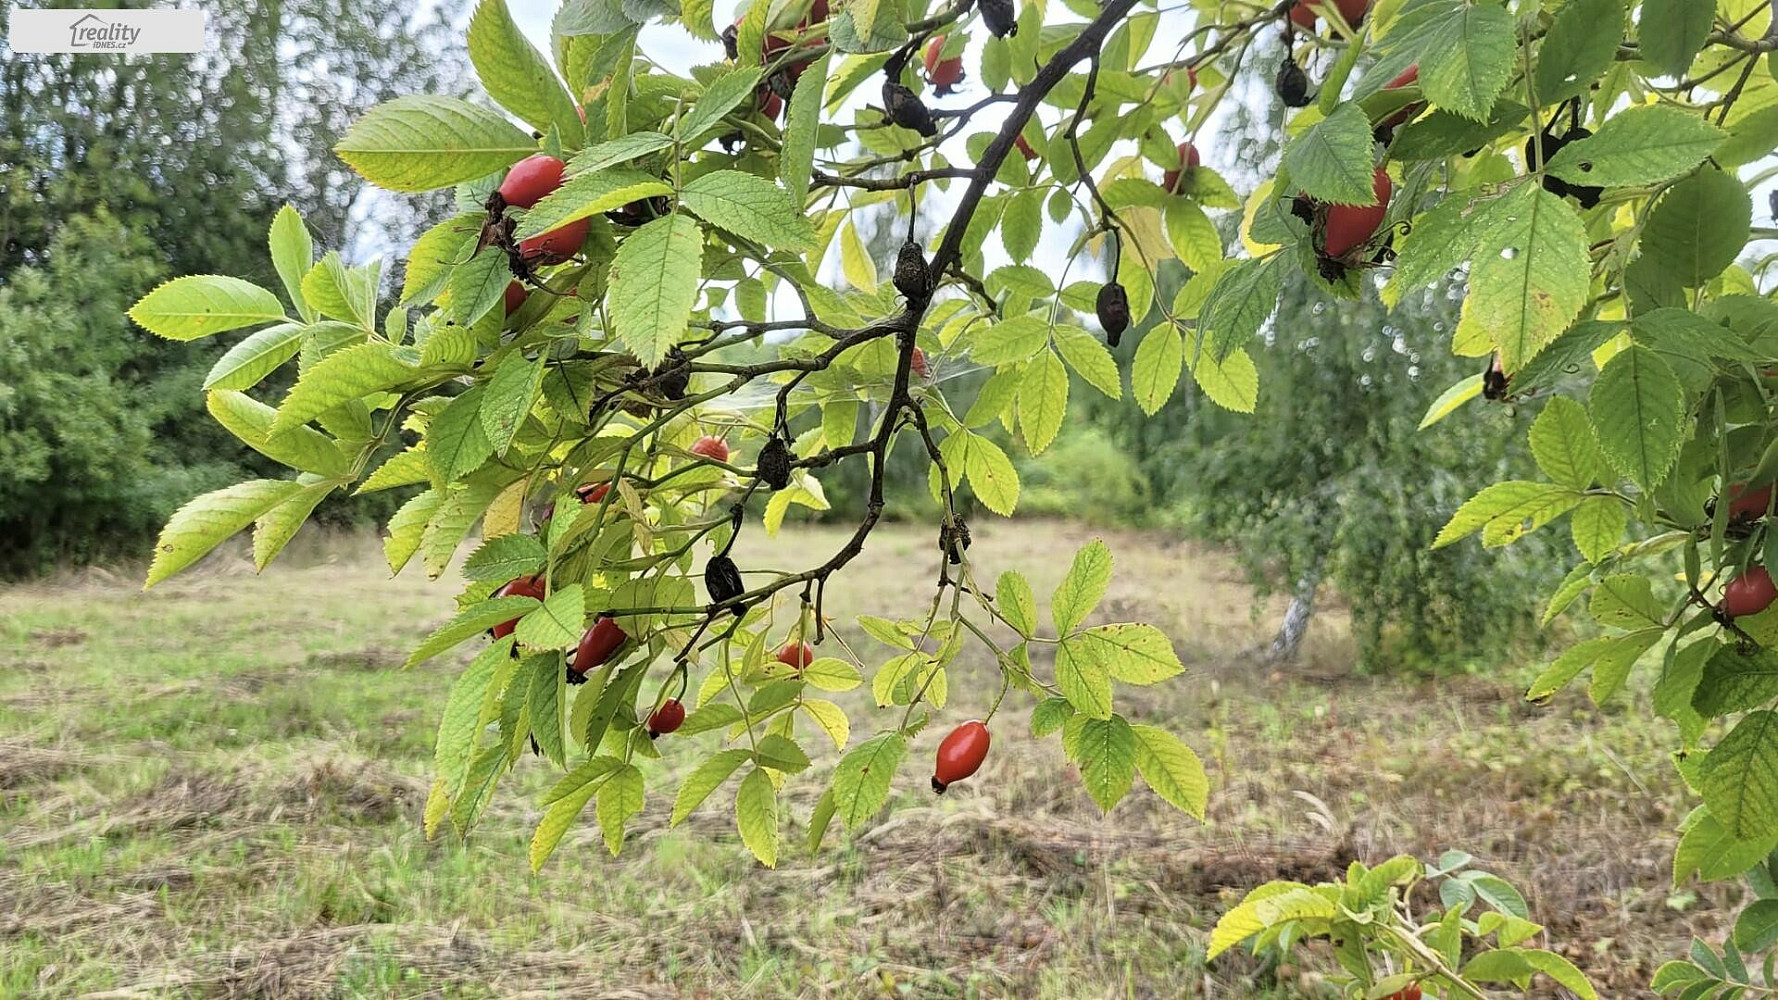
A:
(75, 452)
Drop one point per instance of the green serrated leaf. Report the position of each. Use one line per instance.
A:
(1017, 604)
(1090, 359)
(275, 528)
(420, 143)
(456, 444)
(343, 376)
(1581, 44)
(436, 254)
(1638, 411)
(293, 253)
(256, 356)
(862, 779)
(470, 621)
(704, 779)
(1080, 590)
(1736, 681)
(1155, 372)
(1562, 442)
(750, 207)
(505, 558)
(206, 521)
(508, 399)
(1529, 277)
(1670, 33)
(1231, 382)
(621, 799)
(1083, 678)
(1740, 777)
(1598, 526)
(1244, 296)
(586, 195)
(991, 475)
(796, 157)
(1107, 754)
(515, 74)
(1639, 145)
(557, 819)
(1511, 504)
(1172, 769)
(719, 98)
(654, 281)
(546, 704)
(304, 449)
(1465, 52)
(199, 305)
(458, 727)
(756, 814)
(1332, 160)
(1698, 227)
(1133, 654)
(558, 623)
(1043, 401)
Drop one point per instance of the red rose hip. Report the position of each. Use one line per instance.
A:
(592, 492)
(945, 74)
(1749, 594)
(597, 645)
(524, 586)
(1349, 226)
(960, 754)
(1188, 161)
(667, 718)
(515, 297)
(1407, 78)
(710, 447)
(531, 179)
(557, 245)
(796, 655)
(1745, 503)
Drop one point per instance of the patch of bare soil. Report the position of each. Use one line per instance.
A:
(375, 658)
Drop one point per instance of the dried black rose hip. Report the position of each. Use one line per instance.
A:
(1001, 17)
(1113, 307)
(906, 110)
(673, 378)
(731, 41)
(912, 278)
(1292, 83)
(1496, 383)
(722, 580)
(1303, 207)
(953, 538)
(774, 463)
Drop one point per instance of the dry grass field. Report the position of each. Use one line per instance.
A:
(224, 802)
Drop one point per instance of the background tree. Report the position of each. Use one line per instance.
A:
(182, 161)
(1332, 481)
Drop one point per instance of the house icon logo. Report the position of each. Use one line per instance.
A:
(104, 32)
(93, 33)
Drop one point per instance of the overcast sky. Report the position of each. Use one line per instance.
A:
(670, 45)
